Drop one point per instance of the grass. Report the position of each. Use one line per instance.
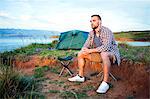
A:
(58, 53)
(136, 54)
(88, 87)
(54, 91)
(55, 69)
(34, 48)
(56, 82)
(8, 57)
(137, 36)
(69, 94)
(72, 94)
(39, 71)
(14, 85)
(22, 53)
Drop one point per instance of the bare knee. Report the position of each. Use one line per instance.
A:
(80, 54)
(105, 55)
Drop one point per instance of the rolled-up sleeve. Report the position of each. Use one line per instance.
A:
(106, 41)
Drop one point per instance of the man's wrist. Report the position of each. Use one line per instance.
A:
(93, 50)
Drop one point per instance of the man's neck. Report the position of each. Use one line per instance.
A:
(97, 30)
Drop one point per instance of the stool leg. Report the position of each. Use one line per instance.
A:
(61, 71)
(99, 74)
(112, 76)
(69, 71)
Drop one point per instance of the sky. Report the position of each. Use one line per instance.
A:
(64, 15)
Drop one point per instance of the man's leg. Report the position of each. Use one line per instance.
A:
(93, 57)
(106, 58)
(81, 62)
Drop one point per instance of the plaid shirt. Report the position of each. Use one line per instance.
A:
(107, 40)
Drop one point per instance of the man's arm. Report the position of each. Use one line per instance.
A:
(87, 42)
(106, 43)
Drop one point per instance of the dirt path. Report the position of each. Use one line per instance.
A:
(133, 81)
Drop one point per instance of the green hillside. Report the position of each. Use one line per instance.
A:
(134, 35)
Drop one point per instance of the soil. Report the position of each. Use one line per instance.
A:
(124, 39)
(132, 79)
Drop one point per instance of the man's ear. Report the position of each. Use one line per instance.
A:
(100, 22)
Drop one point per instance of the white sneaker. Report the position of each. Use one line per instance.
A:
(77, 78)
(103, 88)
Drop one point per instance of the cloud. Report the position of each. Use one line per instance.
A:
(64, 15)
(6, 16)
(25, 17)
(3, 14)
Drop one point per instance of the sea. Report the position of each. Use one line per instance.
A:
(12, 43)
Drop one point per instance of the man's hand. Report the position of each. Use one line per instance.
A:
(86, 50)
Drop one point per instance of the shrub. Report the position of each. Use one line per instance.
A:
(13, 84)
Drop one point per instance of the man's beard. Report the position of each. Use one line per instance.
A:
(94, 27)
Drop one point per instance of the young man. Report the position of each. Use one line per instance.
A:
(100, 45)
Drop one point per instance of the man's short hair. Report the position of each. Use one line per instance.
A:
(96, 16)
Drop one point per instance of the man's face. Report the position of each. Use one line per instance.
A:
(95, 22)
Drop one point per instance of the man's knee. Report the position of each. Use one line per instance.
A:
(105, 55)
(80, 54)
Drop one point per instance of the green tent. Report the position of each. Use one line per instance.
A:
(72, 39)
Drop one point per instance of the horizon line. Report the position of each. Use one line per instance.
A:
(74, 29)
